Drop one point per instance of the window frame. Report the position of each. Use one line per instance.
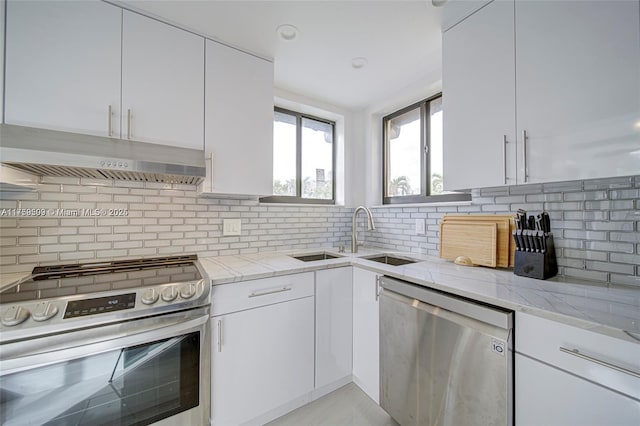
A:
(425, 145)
(298, 199)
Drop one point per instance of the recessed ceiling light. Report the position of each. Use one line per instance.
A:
(287, 32)
(359, 62)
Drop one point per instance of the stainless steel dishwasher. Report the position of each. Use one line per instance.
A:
(444, 360)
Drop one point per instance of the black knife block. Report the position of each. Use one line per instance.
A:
(537, 265)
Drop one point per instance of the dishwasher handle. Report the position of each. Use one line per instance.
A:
(494, 316)
(443, 314)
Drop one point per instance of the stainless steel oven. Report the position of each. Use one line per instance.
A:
(136, 356)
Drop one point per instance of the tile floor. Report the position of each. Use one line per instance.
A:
(347, 406)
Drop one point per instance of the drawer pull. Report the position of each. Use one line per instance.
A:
(219, 335)
(264, 293)
(577, 353)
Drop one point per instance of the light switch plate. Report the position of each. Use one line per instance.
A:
(231, 227)
(421, 227)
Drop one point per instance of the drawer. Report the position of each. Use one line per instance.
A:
(238, 296)
(601, 359)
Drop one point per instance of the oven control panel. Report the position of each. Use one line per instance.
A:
(100, 305)
(19, 320)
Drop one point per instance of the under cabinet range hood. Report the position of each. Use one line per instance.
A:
(54, 153)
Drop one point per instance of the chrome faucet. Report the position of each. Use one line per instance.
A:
(354, 231)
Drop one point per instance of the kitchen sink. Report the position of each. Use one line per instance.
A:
(315, 256)
(390, 260)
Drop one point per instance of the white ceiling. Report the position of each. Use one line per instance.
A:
(400, 39)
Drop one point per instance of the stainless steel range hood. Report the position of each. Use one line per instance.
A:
(54, 153)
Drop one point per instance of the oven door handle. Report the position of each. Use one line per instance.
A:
(47, 350)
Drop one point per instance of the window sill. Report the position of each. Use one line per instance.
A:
(434, 204)
(299, 205)
(277, 200)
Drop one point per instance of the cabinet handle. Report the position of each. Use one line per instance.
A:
(577, 353)
(110, 133)
(524, 155)
(219, 335)
(264, 293)
(129, 124)
(211, 164)
(504, 156)
(377, 287)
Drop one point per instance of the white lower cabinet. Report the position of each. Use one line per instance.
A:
(263, 351)
(569, 376)
(366, 326)
(334, 316)
(548, 396)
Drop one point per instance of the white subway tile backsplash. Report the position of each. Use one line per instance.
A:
(56, 248)
(596, 229)
(60, 179)
(89, 238)
(60, 231)
(94, 246)
(610, 226)
(95, 230)
(58, 196)
(12, 250)
(77, 256)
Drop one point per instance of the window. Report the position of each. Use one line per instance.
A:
(412, 155)
(303, 159)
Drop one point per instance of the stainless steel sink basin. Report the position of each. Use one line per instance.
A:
(390, 260)
(315, 256)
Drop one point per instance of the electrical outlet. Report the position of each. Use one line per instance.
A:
(231, 227)
(421, 227)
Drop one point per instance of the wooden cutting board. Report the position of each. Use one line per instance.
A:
(476, 240)
(505, 244)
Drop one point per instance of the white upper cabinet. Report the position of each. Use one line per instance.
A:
(63, 66)
(457, 10)
(479, 100)
(2, 10)
(238, 123)
(564, 74)
(162, 83)
(578, 88)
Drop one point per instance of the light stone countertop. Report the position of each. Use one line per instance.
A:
(610, 311)
(9, 280)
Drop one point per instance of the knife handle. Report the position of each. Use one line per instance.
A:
(525, 240)
(535, 241)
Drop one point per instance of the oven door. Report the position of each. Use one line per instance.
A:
(152, 370)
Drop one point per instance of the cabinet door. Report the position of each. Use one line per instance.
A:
(162, 83)
(578, 88)
(239, 122)
(63, 66)
(262, 358)
(2, 11)
(479, 99)
(549, 396)
(366, 326)
(334, 319)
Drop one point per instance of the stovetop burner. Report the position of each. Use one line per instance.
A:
(61, 298)
(71, 279)
(77, 269)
